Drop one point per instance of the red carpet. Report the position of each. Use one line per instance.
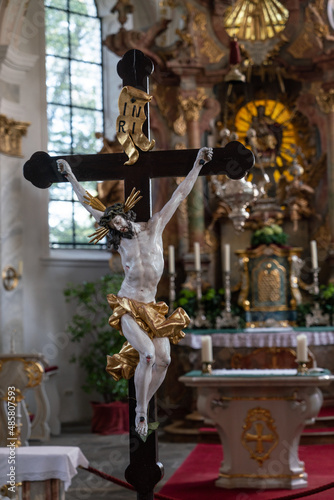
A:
(195, 479)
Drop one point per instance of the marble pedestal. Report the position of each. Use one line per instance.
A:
(259, 415)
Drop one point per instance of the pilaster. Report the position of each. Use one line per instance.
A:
(15, 63)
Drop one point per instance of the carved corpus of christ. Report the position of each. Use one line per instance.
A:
(143, 322)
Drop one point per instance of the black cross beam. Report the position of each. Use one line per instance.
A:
(144, 471)
(234, 160)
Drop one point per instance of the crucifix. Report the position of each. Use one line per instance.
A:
(137, 170)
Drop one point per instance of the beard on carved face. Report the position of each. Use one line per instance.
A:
(114, 236)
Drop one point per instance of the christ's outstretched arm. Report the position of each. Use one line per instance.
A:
(163, 217)
(81, 193)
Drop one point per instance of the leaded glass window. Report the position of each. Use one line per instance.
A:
(74, 108)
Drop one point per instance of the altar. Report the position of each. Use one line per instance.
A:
(259, 416)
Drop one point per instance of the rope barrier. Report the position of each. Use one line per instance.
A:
(159, 496)
(115, 480)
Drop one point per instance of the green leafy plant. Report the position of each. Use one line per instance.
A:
(89, 326)
(302, 311)
(268, 235)
(213, 302)
(326, 300)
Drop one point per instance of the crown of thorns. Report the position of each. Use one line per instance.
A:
(111, 212)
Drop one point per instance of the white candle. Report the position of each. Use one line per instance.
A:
(207, 349)
(302, 353)
(197, 252)
(226, 260)
(171, 259)
(314, 254)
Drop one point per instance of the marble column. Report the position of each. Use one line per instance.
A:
(192, 104)
(325, 100)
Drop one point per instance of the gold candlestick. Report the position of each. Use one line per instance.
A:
(302, 368)
(207, 367)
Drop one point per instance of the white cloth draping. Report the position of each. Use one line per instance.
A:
(260, 338)
(40, 463)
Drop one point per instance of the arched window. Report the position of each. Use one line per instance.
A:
(74, 108)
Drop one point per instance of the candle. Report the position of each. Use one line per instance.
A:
(314, 254)
(226, 260)
(206, 349)
(171, 259)
(302, 354)
(197, 252)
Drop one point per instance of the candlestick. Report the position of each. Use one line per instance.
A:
(227, 281)
(171, 259)
(315, 285)
(207, 356)
(226, 319)
(302, 368)
(302, 352)
(197, 252)
(314, 254)
(198, 286)
(226, 260)
(172, 294)
(207, 367)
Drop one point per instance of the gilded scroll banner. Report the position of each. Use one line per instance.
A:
(11, 133)
(130, 121)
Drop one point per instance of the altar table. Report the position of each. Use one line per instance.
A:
(259, 416)
(38, 465)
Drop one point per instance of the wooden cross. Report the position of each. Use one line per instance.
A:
(234, 160)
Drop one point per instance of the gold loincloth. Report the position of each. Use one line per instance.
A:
(152, 319)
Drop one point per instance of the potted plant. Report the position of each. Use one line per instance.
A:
(268, 235)
(89, 327)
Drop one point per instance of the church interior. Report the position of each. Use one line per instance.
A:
(250, 259)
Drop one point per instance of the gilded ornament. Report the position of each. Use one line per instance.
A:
(193, 105)
(325, 99)
(165, 99)
(34, 370)
(10, 278)
(269, 280)
(11, 133)
(255, 19)
(266, 126)
(315, 31)
(131, 105)
(259, 435)
(199, 28)
(180, 126)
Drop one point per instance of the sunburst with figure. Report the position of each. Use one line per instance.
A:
(265, 125)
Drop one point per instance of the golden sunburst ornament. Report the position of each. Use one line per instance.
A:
(255, 19)
(94, 202)
(275, 133)
(132, 199)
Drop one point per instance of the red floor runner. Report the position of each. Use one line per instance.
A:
(195, 479)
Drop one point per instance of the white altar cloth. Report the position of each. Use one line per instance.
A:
(259, 337)
(40, 463)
